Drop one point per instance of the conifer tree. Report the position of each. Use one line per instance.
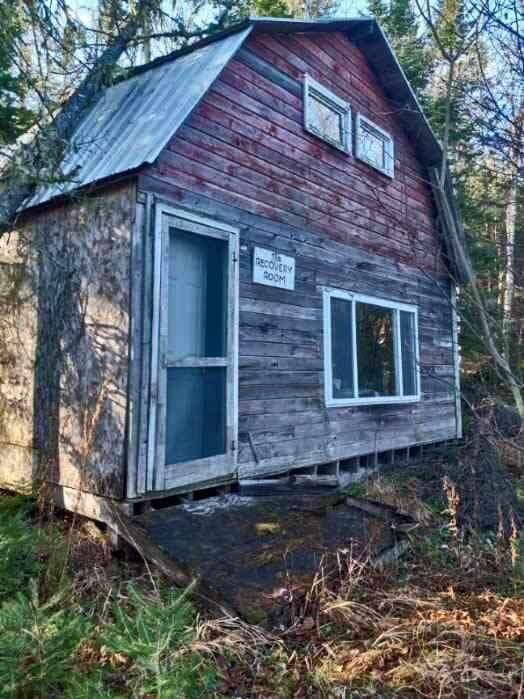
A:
(15, 117)
(399, 22)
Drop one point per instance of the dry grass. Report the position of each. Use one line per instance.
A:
(416, 629)
(445, 621)
(448, 621)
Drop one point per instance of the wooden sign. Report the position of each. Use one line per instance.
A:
(273, 269)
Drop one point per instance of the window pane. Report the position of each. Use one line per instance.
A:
(372, 147)
(197, 295)
(341, 349)
(196, 418)
(324, 119)
(375, 351)
(407, 341)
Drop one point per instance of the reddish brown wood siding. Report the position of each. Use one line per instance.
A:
(246, 146)
(245, 158)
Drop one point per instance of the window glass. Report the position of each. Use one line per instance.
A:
(196, 415)
(408, 352)
(197, 295)
(375, 351)
(324, 119)
(375, 146)
(372, 147)
(371, 350)
(342, 348)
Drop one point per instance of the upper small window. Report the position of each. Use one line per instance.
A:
(375, 146)
(326, 115)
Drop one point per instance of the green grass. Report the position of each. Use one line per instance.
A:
(54, 643)
(19, 545)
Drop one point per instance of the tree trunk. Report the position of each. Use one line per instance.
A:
(508, 291)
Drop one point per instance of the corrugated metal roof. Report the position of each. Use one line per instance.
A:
(133, 120)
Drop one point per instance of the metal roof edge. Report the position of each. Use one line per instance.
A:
(247, 31)
(185, 50)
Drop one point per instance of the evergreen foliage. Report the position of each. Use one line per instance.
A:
(46, 630)
(152, 635)
(38, 641)
(410, 44)
(464, 71)
(15, 117)
(18, 545)
(271, 8)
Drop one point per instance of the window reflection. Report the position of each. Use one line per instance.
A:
(325, 120)
(376, 351)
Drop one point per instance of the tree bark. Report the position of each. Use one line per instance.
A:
(508, 291)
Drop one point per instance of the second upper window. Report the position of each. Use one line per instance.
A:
(326, 115)
(374, 146)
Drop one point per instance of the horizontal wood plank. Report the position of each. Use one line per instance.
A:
(244, 158)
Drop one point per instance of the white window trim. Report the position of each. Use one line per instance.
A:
(334, 102)
(328, 294)
(389, 145)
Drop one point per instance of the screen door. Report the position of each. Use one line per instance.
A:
(196, 420)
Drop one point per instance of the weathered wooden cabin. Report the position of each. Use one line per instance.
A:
(248, 272)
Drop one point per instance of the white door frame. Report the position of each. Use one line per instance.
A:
(159, 477)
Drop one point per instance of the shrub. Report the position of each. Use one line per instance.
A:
(18, 545)
(91, 686)
(155, 637)
(38, 641)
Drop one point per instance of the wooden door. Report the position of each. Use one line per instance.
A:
(195, 411)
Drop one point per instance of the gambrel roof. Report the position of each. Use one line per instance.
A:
(133, 120)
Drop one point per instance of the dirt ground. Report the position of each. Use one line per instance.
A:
(446, 620)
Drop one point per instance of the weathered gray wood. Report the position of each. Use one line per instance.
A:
(243, 159)
(135, 347)
(147, 306)
(80, 291)
(282, 464)
(456, 362)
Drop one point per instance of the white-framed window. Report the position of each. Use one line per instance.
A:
(370, 350)
(326, 115)
(375, 146)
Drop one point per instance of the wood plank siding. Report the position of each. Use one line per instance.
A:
(69, 333)
(244, 158)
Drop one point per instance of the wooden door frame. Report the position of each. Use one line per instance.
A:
(201, 470)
